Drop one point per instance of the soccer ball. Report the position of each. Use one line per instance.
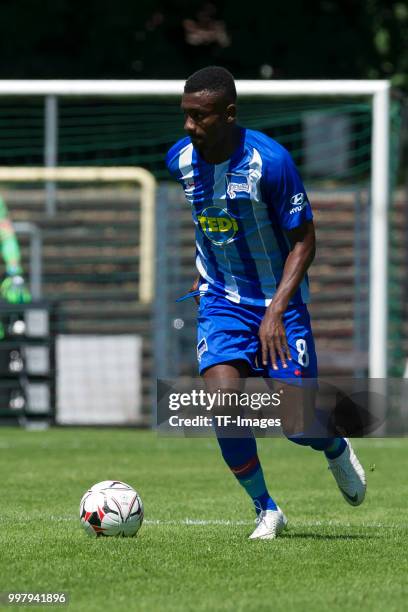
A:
(111, 508)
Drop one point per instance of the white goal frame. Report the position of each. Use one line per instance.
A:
(377, 90)
(144, 179)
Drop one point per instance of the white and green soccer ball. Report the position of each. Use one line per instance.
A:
(111, 508)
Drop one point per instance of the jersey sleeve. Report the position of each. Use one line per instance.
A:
(172, 158)
(284, 192)
(171, 162)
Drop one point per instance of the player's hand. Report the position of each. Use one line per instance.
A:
(14, 290)
(194, 287)
(272, 335)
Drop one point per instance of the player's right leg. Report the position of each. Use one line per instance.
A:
(226, 346)
(237, 445)
(239, 450)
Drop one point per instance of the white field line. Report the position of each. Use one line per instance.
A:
(189, 522)
(295, 523)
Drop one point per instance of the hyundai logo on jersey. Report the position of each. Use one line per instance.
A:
(297, 199)
(298, 202)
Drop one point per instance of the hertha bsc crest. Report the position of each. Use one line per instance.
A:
(236, 183)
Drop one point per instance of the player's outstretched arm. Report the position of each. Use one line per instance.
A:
(272, 331)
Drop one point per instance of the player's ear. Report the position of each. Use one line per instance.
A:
(231, 112)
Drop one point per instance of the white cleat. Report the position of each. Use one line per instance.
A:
(349, 475)
(269, 524)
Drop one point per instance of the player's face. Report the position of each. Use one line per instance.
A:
(207, 118)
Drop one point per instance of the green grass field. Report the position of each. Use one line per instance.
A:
(192, 552)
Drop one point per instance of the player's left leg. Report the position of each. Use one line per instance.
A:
(302, 369)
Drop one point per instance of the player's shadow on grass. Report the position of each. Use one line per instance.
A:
(328, 536)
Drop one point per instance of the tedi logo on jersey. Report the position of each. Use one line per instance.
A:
(236, 183)
(218, 225)
(298, 202)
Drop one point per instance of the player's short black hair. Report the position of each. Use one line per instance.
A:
(214, 79)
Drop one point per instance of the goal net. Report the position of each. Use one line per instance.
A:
(344, 137)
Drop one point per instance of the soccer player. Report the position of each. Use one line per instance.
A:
(12, 288)
(255, 241)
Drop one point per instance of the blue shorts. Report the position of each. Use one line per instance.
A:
(228, 331)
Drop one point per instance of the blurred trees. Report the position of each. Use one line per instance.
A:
(172, 38)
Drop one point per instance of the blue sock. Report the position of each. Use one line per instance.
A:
(336, 448)
(250, 477)
(333, 447)
(240, 454)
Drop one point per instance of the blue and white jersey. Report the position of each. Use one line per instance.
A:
(241, 209)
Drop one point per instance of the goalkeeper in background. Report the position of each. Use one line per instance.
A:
(13, 288)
